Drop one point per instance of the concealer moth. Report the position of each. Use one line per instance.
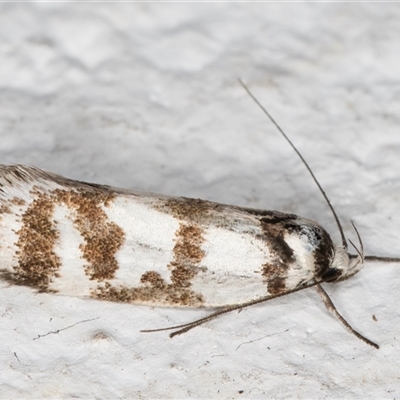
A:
(81, 239)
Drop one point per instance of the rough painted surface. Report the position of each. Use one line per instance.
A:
(145, 96)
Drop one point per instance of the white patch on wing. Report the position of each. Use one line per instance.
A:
(233, 265)
(304, 269)
(149, 239)
(73, 280)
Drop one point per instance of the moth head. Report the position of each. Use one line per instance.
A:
(343, 266)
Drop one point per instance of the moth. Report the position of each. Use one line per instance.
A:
(82, 239)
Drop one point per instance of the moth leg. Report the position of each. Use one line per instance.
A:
(332, 309)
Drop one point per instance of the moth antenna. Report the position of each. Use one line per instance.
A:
(344, 242)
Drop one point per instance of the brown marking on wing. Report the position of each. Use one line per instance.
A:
(154, 291)
(269, 216)
(5, 209)
(206, 213)
(154, 279)
(187, 209)
(37, 262)
(188, 254)
(323, 254)
(275, 273)
(102, 238)
(223, 215)
(277, 286)
(275, 276)
(18, 201)
(187, 257)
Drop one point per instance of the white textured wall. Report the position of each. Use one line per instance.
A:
(146, 96)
